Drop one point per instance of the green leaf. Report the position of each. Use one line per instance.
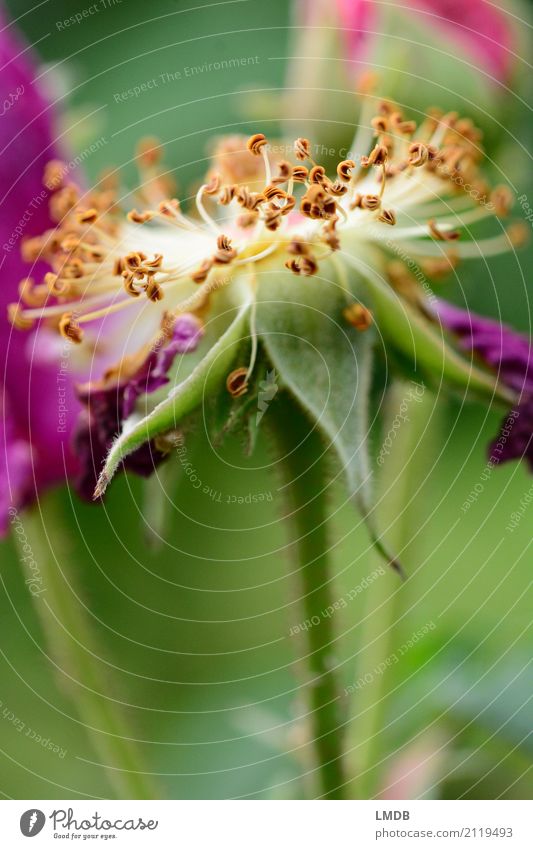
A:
(498, 697)
(207, 376)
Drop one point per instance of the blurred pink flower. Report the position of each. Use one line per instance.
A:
(478, 27)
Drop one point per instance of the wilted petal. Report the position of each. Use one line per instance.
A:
(515, 440)
(510, 354)
(506, 351)
(110, 401)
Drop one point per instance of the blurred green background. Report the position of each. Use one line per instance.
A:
(193, 640)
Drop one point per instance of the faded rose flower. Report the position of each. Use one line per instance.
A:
(258, 261)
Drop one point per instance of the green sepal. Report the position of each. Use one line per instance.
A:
(326, 365)
(324, 362)
(240, 415)
(421, 344)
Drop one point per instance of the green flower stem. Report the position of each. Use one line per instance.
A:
(383, 598)
(71, 646)
(305, 482)
(381, 605)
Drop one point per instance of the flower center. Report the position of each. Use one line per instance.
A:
(412, 193)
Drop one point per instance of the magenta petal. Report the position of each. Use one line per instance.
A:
(26, 145)
(15, 470)
(510, 354)
(515, 439)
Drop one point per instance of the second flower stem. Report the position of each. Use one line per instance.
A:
(70, 642)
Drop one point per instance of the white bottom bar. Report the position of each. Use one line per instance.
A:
(267, 825)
